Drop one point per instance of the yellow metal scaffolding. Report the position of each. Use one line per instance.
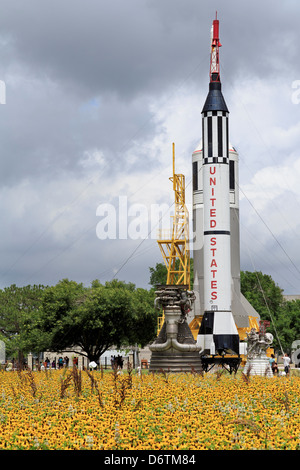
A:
(175, 247)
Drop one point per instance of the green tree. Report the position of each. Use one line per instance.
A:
(59, 315)
(144, 321)
(97, 318)
(262, 292)
(288, 324)
(19, 310)
(158, 275)
(268, 300)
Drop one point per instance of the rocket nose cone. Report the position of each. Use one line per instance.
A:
(215, 100)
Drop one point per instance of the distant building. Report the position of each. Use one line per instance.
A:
(291, 297)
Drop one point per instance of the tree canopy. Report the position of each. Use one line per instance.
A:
(19, 307)
(158, 275)
(262, 293)
(268, 300)
(98, 317)
(69, 316)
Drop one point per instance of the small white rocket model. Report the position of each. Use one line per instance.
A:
(218, 333)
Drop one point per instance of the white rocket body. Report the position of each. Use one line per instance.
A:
(217, 282)
(216, 250)
(240, 307)
(218, 333)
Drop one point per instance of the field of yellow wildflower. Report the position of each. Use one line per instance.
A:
(59, 409)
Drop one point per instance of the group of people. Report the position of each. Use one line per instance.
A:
(286, 364)
(60, 363)
(116, 361)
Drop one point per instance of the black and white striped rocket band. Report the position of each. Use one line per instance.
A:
(221, 332)
(215, 137)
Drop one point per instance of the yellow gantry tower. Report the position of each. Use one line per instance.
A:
(175, 248)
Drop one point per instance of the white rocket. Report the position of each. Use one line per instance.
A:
(216, 225)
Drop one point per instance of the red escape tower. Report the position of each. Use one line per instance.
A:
(214, 56)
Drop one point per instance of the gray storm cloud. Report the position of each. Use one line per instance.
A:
(96, 93)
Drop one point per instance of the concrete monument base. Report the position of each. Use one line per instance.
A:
(258, 366)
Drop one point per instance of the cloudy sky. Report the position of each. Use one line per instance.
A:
(95, 93)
